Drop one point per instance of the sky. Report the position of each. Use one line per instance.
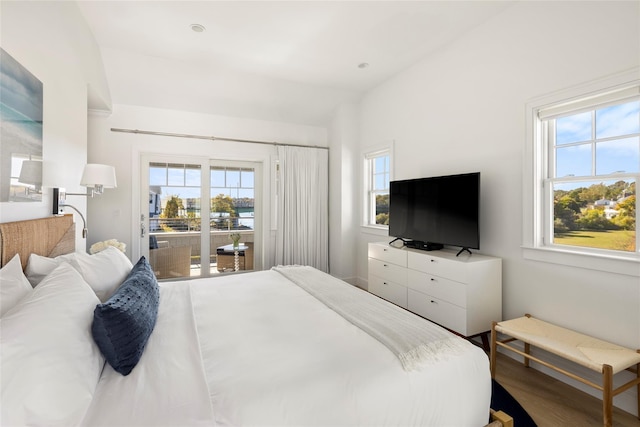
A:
(184, 181)
(610, 134)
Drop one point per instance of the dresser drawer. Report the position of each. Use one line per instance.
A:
(441, 312)
(438, 266)
(462, 293)
(388, 271)
(386, 253)
(388, 290)
(439, 287)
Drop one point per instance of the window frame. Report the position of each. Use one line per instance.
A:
(369, 209)
(537, 201)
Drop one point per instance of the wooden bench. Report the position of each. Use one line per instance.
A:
(500, 419)
(600, 356)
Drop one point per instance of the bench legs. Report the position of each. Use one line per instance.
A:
(638, 386)
(607, 395)
(608, 392)
(492, 352)
(638, 377)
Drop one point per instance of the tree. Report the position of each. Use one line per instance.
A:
(575, 209)
(382, 203)
(382, 218)
(172, 208)
(616, 190)
(595, 192)
(382, 209)
(628, 206)
(222, 205)
(594, 219)
(631, 189)
(626, 218)
(575, 195)
(566, 211)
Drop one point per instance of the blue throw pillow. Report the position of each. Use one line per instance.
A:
(122, 325)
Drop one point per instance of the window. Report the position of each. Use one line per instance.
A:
(378, 174)
(586, 165)
(232, 193)
(195, 205)
(174, 197)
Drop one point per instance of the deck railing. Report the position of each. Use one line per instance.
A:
(228, 223)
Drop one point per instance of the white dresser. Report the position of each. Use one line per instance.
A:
(462, 293)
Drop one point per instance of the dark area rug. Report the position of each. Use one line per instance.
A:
(501, 400)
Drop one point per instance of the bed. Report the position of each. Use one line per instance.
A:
(289, 346)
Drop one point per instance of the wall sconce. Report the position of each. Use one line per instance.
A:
(96, 177)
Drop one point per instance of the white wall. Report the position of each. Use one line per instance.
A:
(113, 213)
(462, 110)
(344, 184)
(53, 42)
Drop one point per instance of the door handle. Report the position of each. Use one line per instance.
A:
(143, 230)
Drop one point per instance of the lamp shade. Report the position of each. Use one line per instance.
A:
(31, 172)
(98, 176)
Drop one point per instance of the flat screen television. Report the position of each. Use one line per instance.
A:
(428, 213)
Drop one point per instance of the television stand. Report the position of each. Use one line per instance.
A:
(462, 250)
(463, 294)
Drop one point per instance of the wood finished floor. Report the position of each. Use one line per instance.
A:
(552, 403)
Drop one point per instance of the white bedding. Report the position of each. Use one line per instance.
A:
(167, 387)
(273, 355)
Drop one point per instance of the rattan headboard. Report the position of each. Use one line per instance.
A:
(49, 237)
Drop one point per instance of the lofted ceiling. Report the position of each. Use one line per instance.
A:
(290, 61)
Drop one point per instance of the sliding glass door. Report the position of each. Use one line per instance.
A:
(200, 216)
(233, 219)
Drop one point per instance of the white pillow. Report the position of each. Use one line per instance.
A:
(104, 271)
(13, 285)
(39, 266)
(50, 363)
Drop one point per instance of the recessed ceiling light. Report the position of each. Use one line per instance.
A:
(197, 28)
(363, 65)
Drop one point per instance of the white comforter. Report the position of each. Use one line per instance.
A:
(168, 386)
(263, 351)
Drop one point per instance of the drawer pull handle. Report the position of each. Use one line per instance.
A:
(433, 302)
(432, 260)
(433, 280)
(385, 265)
(384, 283)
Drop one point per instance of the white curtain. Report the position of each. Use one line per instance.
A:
(303, 212)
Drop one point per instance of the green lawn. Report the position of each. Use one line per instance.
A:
(620, 240)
